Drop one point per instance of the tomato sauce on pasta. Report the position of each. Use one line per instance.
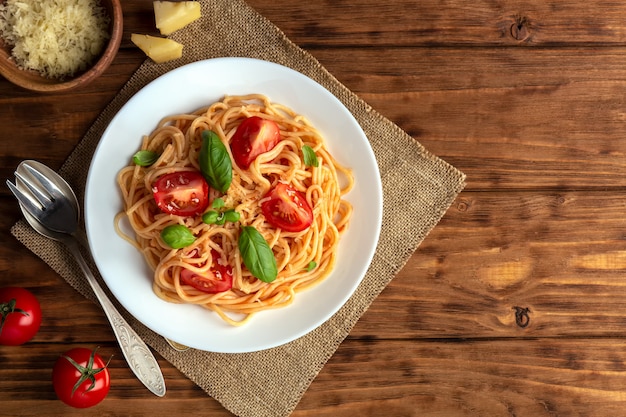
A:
(303, 258)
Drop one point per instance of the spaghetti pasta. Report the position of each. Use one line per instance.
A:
(303, 258)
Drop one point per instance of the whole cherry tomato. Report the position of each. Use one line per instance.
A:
(20, 316)
(81, 378)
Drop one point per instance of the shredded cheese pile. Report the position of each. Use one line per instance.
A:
(57, 38)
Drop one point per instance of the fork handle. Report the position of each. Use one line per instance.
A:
(139, 357)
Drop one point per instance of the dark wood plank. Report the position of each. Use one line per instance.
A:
(491, 378)
(373, 378)
(367, 23)
(560, 255)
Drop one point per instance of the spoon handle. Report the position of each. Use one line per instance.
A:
(139, 357)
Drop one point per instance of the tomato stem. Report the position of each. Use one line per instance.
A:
(8, 308)
(86, 372)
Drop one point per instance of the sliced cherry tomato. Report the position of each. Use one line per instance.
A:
(286, 208)
(20, 316)
(218, 279)
(183, 193)
(253, 137)
(81, 378)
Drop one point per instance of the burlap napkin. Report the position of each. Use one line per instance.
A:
(240, 381)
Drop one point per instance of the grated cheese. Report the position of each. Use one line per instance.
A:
(57, 38)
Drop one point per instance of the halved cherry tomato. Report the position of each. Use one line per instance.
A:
(218, 279)
(253, 137)
(20, 316)
(183, 193)
(286, 208)
(80, 378)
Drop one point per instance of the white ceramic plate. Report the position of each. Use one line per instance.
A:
(186, 89)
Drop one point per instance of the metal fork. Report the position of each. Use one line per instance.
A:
(42, 200)
(49, 207)
(46, 202)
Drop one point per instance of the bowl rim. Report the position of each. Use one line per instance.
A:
(10, 71)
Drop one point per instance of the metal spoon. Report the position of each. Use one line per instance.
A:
(70, 203)
(35, 182)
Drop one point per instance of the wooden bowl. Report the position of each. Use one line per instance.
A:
(32, 80)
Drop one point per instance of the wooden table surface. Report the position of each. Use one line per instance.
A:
(514, 305)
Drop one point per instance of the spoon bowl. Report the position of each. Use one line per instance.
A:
(67, 198)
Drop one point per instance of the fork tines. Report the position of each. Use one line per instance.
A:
(36, 191)
(26, 200)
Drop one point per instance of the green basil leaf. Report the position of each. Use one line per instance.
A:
(210, 217)
(215, 162)
(145, 158)
(231, 216)
(217, 203)
(310, 158)
(221, 219)
(177, 236)
(257, 255)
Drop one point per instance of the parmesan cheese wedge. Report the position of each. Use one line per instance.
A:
(171, 16)
(158, 49)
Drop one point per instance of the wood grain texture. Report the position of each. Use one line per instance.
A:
(514, 305)
(551, 253)
(441, 23)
